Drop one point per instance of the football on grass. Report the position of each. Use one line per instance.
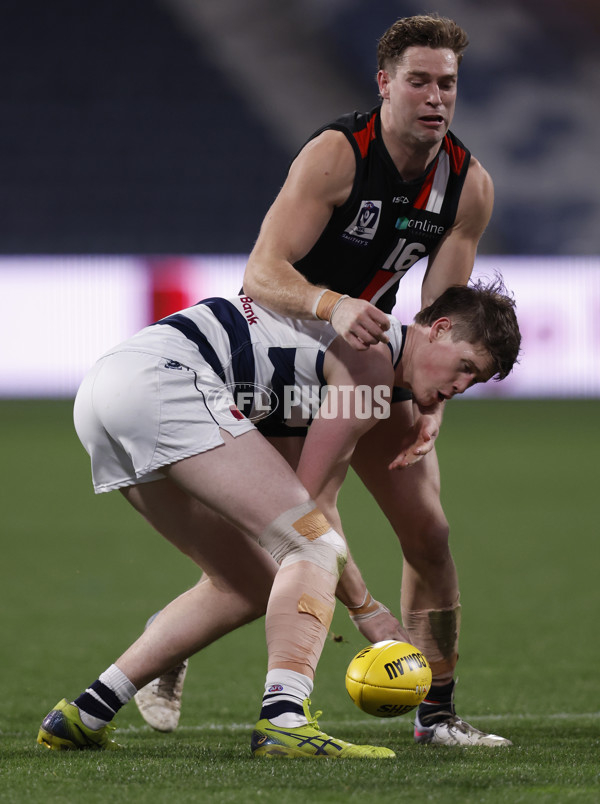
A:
(388, 679)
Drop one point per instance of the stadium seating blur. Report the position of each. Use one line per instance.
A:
(165, 126)
(118, 135)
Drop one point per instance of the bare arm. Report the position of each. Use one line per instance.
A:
(331, 438)
(319, 180)
(452, 262)
(323, 466)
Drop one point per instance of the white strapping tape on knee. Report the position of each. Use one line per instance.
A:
(303, 534)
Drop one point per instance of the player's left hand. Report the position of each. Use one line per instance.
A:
(419, 441)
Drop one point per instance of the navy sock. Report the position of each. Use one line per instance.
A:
(438, 704)
(99, 701)
(103, 699)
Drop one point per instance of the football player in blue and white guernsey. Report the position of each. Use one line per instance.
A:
(160, 419)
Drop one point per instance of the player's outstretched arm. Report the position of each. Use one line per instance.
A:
(320, 179)
(324, 463)
(358, 385)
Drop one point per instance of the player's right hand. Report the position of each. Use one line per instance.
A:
(418, 441)
(360, 323)
(380, 626)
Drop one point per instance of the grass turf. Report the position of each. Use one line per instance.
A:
(80, 574)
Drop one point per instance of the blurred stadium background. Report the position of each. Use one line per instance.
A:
(141, 143)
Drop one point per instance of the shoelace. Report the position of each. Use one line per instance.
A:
(168, 681)
(312, 719)
(459, 724)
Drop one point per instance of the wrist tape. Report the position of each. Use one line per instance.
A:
(327, 304)
(368, 608)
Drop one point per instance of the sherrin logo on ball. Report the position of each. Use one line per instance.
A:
(388, 679)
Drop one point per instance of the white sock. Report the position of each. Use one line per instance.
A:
(118, 682)
(103, 699)
(285, 691)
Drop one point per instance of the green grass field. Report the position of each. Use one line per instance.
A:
(80, 574)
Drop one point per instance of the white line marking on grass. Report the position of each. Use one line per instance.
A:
(340, 724)
(383, 722)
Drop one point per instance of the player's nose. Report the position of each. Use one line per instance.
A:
(461, 384)
(435, 95)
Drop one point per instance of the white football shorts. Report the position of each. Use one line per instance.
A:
(136, 413)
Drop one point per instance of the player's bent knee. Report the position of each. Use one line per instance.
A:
(304, 534)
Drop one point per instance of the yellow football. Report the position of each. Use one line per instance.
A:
(388, 678)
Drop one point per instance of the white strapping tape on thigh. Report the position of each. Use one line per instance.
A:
(303, 534)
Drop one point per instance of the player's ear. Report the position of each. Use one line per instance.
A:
(440, 328)
(383, 80)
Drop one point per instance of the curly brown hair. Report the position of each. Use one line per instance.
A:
(426, 30)
(481, 314)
